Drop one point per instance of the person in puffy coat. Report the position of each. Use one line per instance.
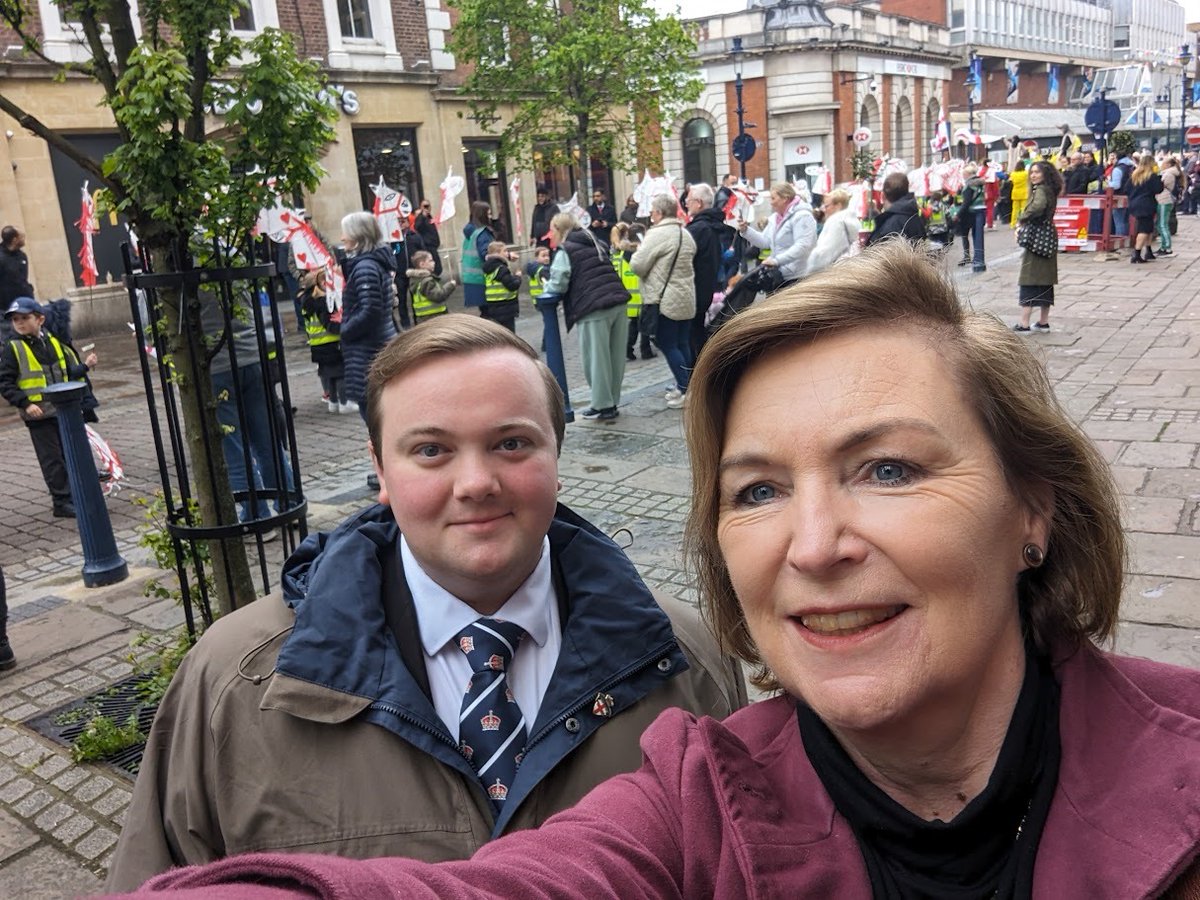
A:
(790, 235)
(839, 234)
(367, 323)
(593, 298)
(706, 225)
(664, 263)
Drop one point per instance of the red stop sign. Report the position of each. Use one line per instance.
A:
(1192, 136)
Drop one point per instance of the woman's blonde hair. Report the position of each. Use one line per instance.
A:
(839, 197)
(563, 224)
(1075, 594)
(1145, 168)
(785, 190)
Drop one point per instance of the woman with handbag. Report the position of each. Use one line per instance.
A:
(665, 264)
(1039, 264)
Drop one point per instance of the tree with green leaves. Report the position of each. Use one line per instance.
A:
(566, 74)
(204, 118)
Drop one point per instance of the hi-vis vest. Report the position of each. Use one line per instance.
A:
(31, 375)
(537, 282)
(494, 291)
(630, 282)
(472, 265)
(423, 306)
(317, 333)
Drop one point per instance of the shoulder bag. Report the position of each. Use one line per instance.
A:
(1039, 237)
(667, 310)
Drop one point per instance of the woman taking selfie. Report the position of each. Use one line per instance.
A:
(898, 527)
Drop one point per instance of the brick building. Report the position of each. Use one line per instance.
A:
(812, 73)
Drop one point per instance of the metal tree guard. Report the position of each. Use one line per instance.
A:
(229, 287)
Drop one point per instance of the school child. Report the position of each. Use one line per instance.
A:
(537, 271)
(938, 228)
(624, 241)
(323, 327)
(500, 287)
(425, 290)
(33, 359)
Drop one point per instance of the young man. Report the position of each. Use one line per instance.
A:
(460, 661)
(602, 217)
(33, 359)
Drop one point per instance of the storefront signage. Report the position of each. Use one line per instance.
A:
(801, 150)
(334, 94)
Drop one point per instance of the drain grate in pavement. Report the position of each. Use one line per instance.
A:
(118, 701)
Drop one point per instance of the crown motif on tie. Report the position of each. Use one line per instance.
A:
(508, 695)
(490, 722)
(498, 791)
(466, 749)
(466, 644)
(496, 662)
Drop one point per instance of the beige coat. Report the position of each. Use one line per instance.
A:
(242, 759)
(676, 296)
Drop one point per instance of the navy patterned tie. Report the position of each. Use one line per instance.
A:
(491, 728)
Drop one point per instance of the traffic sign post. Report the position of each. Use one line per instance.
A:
(744, 147)
(1101, 118)
(1192, 136)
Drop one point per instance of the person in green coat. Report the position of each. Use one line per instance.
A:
(1039, 274)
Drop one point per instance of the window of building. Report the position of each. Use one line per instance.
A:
(243, 19)
(487, 181)
(390, 154)
(554, 166)
(902, 131)
(355, 18)
(699, 152)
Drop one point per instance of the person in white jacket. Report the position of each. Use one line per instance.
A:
(839, 234)
(790, 234)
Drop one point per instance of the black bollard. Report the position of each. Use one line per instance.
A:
(554, 353)
(101, 563)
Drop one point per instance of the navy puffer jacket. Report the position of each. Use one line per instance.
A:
(366, 315)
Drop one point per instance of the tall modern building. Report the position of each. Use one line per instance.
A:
(1030, 66)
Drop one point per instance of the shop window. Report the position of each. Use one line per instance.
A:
(243, 19)
(390, 153)
(699, 152)
(487, 181)
(355, 18)
(555, 168)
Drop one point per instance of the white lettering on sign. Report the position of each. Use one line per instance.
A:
(224, 98)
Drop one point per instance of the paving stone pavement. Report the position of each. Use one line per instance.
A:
(1123, 354)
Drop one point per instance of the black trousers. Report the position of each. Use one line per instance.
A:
(48, 447)
(642, 325)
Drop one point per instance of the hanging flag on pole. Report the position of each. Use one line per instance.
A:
(87, 227)
(514, 195)
(450, 188)
(941, 133)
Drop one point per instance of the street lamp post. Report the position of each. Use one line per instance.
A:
(1165, 97)
(736, 52)
(971, 83)
(1185, 57)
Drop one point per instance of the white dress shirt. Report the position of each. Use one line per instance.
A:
(441, 615)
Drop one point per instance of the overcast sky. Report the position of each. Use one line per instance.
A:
(691, 9)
